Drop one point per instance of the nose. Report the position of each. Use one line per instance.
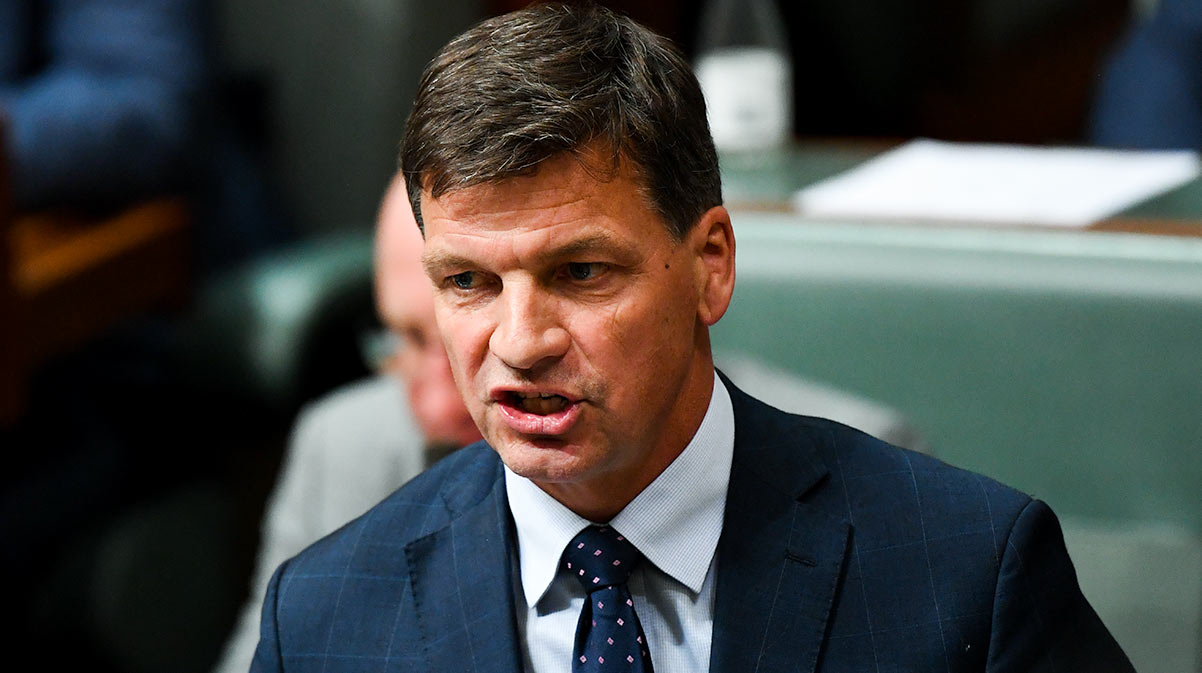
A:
(528, 331)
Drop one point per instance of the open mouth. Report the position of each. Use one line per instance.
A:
(541, 413)
(540, 404)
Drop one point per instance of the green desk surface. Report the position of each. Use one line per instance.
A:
(1061, 363)
(767, 180)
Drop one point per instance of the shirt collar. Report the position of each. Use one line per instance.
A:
(681, 510)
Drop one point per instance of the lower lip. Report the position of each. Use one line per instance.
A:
(549, 425)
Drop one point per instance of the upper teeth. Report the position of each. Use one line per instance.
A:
(526, 396)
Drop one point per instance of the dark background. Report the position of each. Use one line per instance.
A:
(319, 90)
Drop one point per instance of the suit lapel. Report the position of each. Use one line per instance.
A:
(462, 582)
(779, 559)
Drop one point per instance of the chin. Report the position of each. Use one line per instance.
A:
(547, 460)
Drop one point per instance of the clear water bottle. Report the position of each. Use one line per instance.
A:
(745, 71)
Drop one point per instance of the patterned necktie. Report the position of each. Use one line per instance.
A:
(608, 635)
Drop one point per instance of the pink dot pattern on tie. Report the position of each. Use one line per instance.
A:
(602, 561)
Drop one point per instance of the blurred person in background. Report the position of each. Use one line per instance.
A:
(107, 103)
(359, 443)
(99, 97)
(99, 101)
(1150, 95)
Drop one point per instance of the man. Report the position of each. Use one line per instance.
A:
(559, 160)
(1150, 92)
(353, 447)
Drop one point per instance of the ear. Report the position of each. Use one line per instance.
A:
(713, 242)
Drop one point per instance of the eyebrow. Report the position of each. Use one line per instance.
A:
(593, 242)
(435, 260)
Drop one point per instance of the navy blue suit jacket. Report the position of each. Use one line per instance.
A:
(838, 553)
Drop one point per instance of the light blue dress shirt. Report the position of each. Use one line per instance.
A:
(675, 522)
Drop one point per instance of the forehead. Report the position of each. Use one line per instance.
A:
(561, 205)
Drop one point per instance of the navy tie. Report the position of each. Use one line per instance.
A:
(608, 635)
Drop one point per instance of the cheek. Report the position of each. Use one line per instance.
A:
(465, 337)
(642, 328)
(667, 306)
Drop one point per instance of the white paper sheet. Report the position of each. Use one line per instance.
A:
(1002, 184)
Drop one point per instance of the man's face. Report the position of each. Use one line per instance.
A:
(576, 325)
(406, 308)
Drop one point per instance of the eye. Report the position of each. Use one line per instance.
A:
(584, 270)
(465, 280)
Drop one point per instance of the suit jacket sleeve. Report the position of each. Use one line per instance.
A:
(1041, 620)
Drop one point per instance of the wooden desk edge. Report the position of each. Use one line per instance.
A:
(69, 279)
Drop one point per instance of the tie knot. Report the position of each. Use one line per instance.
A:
(600, 557)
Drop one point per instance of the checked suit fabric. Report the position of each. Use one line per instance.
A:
(608, 635)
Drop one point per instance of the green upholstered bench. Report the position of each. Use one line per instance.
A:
(1145, 580)
(1067, 364)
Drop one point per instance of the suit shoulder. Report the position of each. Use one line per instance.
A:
(876, 470)
(856, 467)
